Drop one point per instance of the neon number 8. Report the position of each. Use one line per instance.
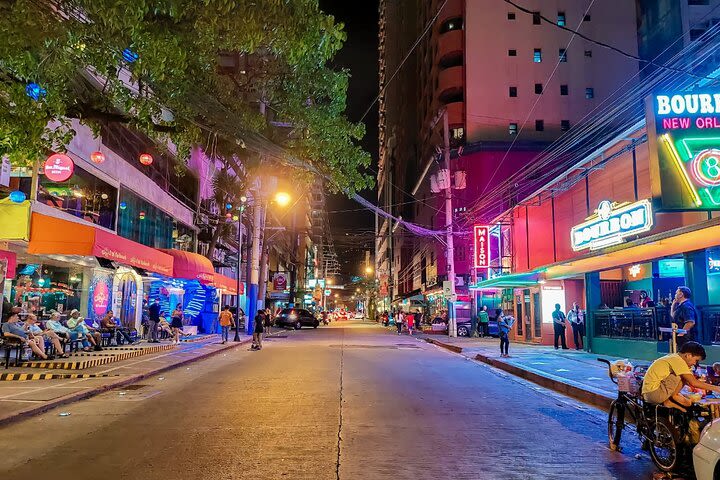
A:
(705, 167)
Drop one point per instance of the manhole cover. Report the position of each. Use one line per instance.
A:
(136, 386)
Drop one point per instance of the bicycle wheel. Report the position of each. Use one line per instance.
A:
(664, 445)
(616, 423)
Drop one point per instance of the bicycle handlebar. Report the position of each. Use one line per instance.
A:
(607, 362)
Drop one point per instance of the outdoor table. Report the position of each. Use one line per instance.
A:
(712, 403)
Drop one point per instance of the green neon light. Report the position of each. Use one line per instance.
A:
(710, 196)
(712, 140)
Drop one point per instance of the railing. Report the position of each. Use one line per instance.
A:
(627, 323)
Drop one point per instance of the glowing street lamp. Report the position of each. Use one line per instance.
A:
(368, 269)
(282, 198)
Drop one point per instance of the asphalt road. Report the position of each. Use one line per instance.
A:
(348, 401)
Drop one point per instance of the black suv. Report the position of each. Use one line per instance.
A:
(297, 318)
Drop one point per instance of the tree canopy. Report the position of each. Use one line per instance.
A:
(178, 70)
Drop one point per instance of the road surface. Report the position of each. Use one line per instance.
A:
(348, 401)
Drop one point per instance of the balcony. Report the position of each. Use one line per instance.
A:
(456, 114)
(453, 8)
(450, 83)
(450, 45)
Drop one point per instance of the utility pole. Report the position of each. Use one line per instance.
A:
(239, 270)
(452, 325)
(254, 283)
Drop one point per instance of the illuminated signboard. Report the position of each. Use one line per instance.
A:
(481, 246)
(686, 143)
(611, 224)
(59, 167)
(713, 261)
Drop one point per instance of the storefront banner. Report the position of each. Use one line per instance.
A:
(612, 224)
(15, 220)
(122, 250)
(99, 295)
(191, 266)
(58, 167)
(229, 285)
(685, 133)
(10, 260)
(279, 282)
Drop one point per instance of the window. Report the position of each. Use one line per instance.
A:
(511, 16)
(538, 88)
(145, 223)
(562, 53)
(588, 53)
(512, 53)
(589, 93)
(450, 24)
(586, 18)
(537, 55)
(561, 19)
(536, 18)
(539, 125)
(457, 134)
(512, 129)
(564, 125)
(512, 91)
(563, 89)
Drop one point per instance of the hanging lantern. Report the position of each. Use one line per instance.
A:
(235, 218)
(228, 216)
(17, 196)
(142, 215)
(228, 206)
(123, 205)
(146, 159)
(35, 91)
(97, 157)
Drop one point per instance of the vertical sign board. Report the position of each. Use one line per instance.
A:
(481, 245)
(684, 140)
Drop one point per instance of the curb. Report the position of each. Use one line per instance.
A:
(74, 397)
(570, 389)
(21, 377)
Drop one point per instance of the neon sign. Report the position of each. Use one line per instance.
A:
(59, 167)
(611, 224)
(481, 243)
(687, 104)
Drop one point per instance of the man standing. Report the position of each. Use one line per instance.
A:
(576, 317)
(153, 319)
(484, 320)
(684, 314)
(559, 326)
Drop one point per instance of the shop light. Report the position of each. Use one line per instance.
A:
(35, 91)
(235, 218)
(243, 199)
(130, 56)
(228, 206)
(146, 159)
(78, 194)
(104, 196)
(97, 157)
(123, 205)
(142, 215)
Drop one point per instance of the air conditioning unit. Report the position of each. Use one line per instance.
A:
(460, 178)
(443, 179)
(434, 188)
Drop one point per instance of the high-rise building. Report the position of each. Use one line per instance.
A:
(510, 81)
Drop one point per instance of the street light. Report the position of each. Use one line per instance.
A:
(368, 269)
(282, 198)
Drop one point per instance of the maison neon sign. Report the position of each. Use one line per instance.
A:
(481, 244)
(611, 224)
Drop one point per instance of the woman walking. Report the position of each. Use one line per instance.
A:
(258, 330)
(176, 323)
(504, 328)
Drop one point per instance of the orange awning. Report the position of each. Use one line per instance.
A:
(229, 285)
(191, 266)
(55, 236)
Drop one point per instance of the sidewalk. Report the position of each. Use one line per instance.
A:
(577, 374)
(21, 399)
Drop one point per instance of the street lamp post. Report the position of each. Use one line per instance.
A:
(243, 199)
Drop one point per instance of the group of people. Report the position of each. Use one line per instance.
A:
(55, 332)
(403, 321)
(576, 318)
(156, 321)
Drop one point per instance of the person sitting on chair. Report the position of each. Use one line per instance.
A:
(77, 324)
(11, 329)
(667, 375)
(60, 329)
(40, 336)
(108, 324)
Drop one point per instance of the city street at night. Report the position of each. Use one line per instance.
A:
(347, 401)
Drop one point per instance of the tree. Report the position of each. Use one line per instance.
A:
(154, 64)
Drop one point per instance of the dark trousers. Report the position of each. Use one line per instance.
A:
(152, 330)
(578, 333)
(504, 343)
(484, 329)
(559, 333)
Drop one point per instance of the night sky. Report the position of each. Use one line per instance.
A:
(352, 227)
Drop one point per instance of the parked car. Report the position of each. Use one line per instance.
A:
(297, 318)
(706, 454)
(341, 315)
(359, 316)
(465, 327)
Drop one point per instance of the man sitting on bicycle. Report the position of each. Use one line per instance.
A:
(667, 375)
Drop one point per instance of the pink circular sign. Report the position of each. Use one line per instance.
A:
(59, 167)
(101, 298)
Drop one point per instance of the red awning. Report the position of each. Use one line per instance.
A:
(191, 266)
(11, 262)
(55, 236)
(229, 285)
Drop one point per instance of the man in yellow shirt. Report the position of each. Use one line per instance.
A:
(667, 375)
(226, 320)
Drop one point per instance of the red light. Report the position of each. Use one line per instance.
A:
(146, 159)
(142, 215)
(97, 157)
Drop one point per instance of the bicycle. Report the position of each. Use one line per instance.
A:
(668, 434)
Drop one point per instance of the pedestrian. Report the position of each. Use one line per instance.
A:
(576, 317)
(153, 320)
(559, 326)
(176, 323)
(410, 322)
(484, 321)
(226, 320)
(683, 313)
(644, 299)
(258, 330)
(399, 317)
(504, 331)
